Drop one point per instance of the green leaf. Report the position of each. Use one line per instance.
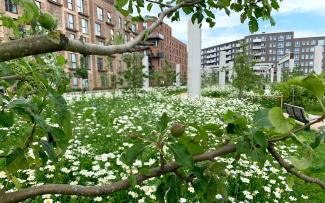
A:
(60, 60)
(275, 4)
(48, 148)
(6, 118)
(261, 119)
(181, 155)
(311, 82)
(149, 7)
(278, 120)
(225, 3)
(320, 137)
(260, 139)
(242, 147)
(187, 10)
(131, 154)
(163, 122)
(253, 25)
(132, 180)
(306, 160)
(15, 161)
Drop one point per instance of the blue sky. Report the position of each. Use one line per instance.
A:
(305, 17)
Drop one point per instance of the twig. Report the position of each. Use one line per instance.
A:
(291, 169)
(282, 138)
(159, 3)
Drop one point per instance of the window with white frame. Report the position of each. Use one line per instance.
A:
(70, 21)
(73, 60)
(80, 6)
(109, 18)
(10, 6)
(84, 26)
(75, 81)
(321, 42)
(38, 4)
(99, 13)
(98, 29)
(70, 4)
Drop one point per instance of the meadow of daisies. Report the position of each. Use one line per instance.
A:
(103, 127)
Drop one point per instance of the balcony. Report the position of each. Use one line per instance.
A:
(257, 40)
(156, 55)
(257, 54)
(257, 47)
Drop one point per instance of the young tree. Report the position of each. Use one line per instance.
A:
(133, 74)
(245, 78)
(40, 82)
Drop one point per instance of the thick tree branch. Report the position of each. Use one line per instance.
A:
(11, 77)
(92, 191)
(291, 169)
(56, 41)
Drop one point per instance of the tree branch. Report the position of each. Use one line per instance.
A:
(159, 3)
(56, 41)
(291, 169)
(92, 191)
(11, 77)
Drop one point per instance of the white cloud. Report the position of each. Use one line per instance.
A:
(302, 6)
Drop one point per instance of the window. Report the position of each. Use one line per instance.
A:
(297, 44)
(38, 4)
(280, 45)
(100, 63)
(311, 56)
(296, 57)
(72, 36)
(289, 36)
(80, 6)
(10, 6)
(145, 25)
(281, 38)
(287, 51)
(321, 42)
(312, 49)
(112, 34)
(70, 4)
(288, 44)
(296, 50)
(313, 42)
(133, 28)
(84, 26)
(280, 51)
(120, 22)
(97, 29)
(109, 18)
(75, 81)
(311, 63)
(70, 21)
(73, 60)
(99, 13)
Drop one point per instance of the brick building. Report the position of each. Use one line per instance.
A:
(168, 48)
(97, 22)
(269, 48)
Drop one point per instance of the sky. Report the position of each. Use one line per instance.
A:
(305, 17)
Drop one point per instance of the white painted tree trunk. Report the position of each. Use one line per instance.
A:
(278, 74)
(194, 60)
(318, 59)
(145, 70)
(222, 73)
(178, 75)
(272, 75)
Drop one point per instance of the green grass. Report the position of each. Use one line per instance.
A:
(317, 169)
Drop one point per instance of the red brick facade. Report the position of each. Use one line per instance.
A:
(97, 22)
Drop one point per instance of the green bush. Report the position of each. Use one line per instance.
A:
(295, 95)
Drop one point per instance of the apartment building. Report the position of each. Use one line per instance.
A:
(166, 48)
(269, 48)
(97, 22)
